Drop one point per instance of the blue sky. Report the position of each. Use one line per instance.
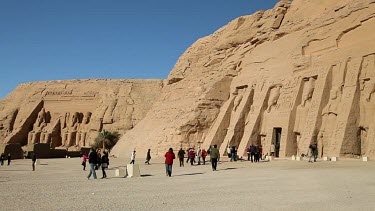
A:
(72, 39)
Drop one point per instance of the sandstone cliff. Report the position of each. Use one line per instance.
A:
(71, 113)
(302, 73)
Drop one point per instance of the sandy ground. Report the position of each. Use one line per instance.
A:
(61, 184)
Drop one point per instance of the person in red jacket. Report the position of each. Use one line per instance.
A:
(204, 154)
(169, 157)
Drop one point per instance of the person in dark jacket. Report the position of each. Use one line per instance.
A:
(215, 157)
(148, 157)
(181, 155)
(9, 159)
(252, 152)
(169, 157)
(105, 163)
(93, 159)
(33, 161)
(2, 157)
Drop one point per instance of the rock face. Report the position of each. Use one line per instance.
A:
(302, 73)
(70, 114)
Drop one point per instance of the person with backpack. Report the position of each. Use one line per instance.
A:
(93, 159)
(105, 164)
(181, 155)
(204, 155)
(215, 157)
(192, 156)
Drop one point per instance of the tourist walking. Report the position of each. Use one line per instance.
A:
(98, 162)
(248, 153)
(199, 155)
(204, 155)
(33, 161)
(256, 155)
(233, 154)
(315, 152)
(93, 159)
(2, 157)
(105, 164)
(261, 152)
(9, 159)
(310, 153)
(252, 152)
(84, 161)
(188, 157)
(169, 157)
(148, 157)
(132, 158)
(181, 155)
(192, 156)
(215, 157)
(229, 150)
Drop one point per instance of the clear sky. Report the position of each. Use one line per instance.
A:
(72, 39)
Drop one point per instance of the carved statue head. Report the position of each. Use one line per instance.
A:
(86, 118)
(74, 119)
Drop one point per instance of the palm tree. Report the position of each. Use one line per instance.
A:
(106, 138)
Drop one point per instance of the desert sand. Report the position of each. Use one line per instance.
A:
(61, 184)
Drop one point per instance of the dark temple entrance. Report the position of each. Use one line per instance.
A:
(276, 140)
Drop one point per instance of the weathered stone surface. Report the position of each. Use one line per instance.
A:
(69, 114)
(299, 74)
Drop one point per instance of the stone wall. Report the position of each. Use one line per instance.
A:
(299, 74)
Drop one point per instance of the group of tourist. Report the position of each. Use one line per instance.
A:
(201, 153)
(2, 158)
(96, 160)
(312, 152)
(254, 153)
(193, 156)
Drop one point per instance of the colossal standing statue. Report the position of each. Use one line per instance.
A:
(303, 109)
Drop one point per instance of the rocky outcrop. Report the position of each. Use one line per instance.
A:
(70, 114)
(299, 74)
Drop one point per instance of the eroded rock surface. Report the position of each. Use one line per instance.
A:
(299, 74)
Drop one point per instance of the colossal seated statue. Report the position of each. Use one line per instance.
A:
(82, 132)
(38, 127)
(69, 132)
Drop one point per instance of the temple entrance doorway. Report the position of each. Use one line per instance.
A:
(276, 140)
